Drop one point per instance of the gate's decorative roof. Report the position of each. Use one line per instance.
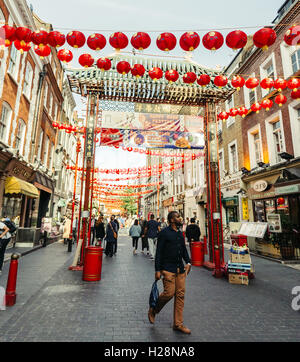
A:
(110, 85)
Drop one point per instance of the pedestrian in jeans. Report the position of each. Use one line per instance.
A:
(152, 230)
(5, 237)
(135, 232)
(145, 244)
(170, 251)
(100, 231)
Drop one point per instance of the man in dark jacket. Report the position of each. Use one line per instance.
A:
(192, 232)
(168, 263)
(118, 227)
(145, 245)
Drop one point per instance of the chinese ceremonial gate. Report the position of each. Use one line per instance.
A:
(97, 85)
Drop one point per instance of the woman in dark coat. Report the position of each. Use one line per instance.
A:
(100, 231)
(111, 237)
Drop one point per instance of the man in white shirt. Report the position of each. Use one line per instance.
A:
(5, 237)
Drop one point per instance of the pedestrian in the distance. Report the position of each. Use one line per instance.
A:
(100, 230)
(152, 230)
(93, 221)
(135, 232)
(118, 227)
(145, 245)
(192, 232)
(5, 237)
(111, 237)
(67, 229)
(163, 223)
(75, 229)
(170, 251)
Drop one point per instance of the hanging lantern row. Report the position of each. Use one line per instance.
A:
(166, 41)
(106, 185)
(266, 104)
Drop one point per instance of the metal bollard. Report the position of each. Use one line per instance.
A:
(70, 241)
(11, 295)
(217, 273)
(45, 239)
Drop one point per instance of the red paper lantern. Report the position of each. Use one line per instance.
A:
(22, 46)
(243, 111)
(280, 99)
(280, 84)
(118, 40)
(256, 107)
(155, 73)
(166, 41)
(76, 39)
(280, 201)
(213, 40)
(65, 55)
(104, 64)
(220, 81)
(292, 36)
(172, 75)
(295, 94)
(264, 38)
(233, 112)
(223, 116)
(42, 51)
(23, 34)
(140, 40)
(138, 70)
(7, 35)
(189, 41)
(189, 77)
(56, 39)
(267, 83)
(86, 60)
(293, 83)
(123, 67)
(238, 82)
(40, 37)
(236, 39)
(267, 104)
(203, 80)
(252, 83)
(96, 41)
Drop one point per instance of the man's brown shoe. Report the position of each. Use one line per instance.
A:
(182, 329)
(151, 315)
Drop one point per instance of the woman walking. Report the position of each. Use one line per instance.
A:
(135, 232)
(111, 237)
(100, 231)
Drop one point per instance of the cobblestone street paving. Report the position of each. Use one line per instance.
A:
(54, 304)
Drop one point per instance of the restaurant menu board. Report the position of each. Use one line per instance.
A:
(254, 229)
(274, 223)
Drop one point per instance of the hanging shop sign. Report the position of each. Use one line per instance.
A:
(283, 190)
(245, 208)
(260, 185)
(168, 202)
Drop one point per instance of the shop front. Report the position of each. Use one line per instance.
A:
(276, 201)
(168, 206)
(179, 205)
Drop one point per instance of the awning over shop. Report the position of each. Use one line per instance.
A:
(14, 185)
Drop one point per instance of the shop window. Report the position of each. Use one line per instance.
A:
(259, 211)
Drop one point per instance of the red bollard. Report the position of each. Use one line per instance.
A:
(217, 273)
(12, 281)
(197, 253)
(92, 264)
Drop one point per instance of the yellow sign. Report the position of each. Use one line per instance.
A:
(245, 208)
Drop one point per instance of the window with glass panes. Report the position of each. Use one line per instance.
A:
(12, 60)
(278, 142)
(4, 121)
(270, 70)
(252, 97)
(257, 147)
(233, 156)
(296, 61)
(20, 137)
(27, 80)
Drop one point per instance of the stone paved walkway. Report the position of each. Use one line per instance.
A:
(54, 304)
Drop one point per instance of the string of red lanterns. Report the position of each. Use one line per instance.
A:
(189, 41)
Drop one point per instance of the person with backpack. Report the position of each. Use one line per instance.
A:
(6, 229)
(135, 232)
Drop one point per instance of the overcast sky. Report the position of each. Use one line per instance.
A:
(156, 16)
